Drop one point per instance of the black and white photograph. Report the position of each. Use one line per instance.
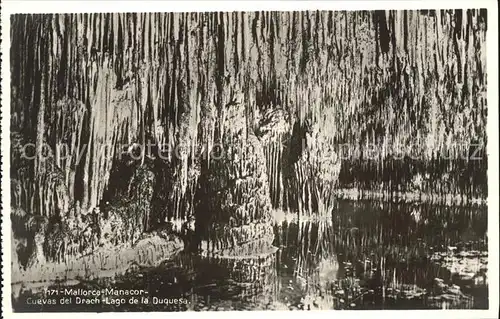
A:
(228, 160)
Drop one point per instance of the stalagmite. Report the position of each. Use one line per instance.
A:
(96, 82)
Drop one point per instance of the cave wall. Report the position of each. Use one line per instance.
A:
(95, 82)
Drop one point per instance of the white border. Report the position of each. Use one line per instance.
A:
(10, 7)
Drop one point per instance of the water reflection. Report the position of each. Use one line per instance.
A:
(372, 255)
(368, 255)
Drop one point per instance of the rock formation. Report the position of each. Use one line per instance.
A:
(89, 89)
(234, 211)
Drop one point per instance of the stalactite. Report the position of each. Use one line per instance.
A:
(103, 80)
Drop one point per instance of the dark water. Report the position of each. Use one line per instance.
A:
(368, 255)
